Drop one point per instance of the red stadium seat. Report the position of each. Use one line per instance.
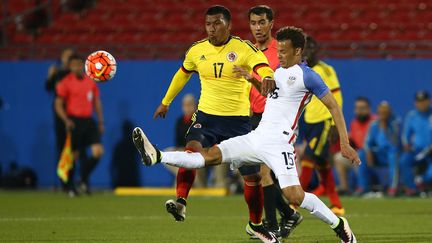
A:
(163, 29)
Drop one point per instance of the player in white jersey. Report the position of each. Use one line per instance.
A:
(272, 142)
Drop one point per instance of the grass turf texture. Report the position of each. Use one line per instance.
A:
(53, 217)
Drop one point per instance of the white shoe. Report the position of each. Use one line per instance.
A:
(149, 154)
(344, 232)
(177, 210)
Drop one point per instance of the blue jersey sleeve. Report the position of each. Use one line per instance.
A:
(314, 83)
(371, 136)
(407, 131)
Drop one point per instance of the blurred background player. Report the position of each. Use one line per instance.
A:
(358, 129)
(261, 24)
(189, 106)
(183, 122)
(77, 98)
(318, 124)
(417, 139)
(55, 74)
(223, 108)
(381, 152)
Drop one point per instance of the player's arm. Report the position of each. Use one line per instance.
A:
(369, 142)
(61, 112)
(59, 105)
(258, 63)
(336, 112)
(177, 83)
(316, 85)
(407, 133)
(241, 72)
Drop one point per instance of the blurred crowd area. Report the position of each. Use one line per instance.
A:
(145, 29)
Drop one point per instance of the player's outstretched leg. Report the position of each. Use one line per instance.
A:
(316, 207)
(150, 155)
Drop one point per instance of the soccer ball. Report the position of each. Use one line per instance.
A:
(100, 66)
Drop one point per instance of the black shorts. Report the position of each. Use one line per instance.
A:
(255, 120)
(317, 143)
(85, 133)
(212, 129)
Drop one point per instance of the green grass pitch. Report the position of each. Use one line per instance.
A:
(103, 217)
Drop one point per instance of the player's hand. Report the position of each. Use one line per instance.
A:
(52, 71)
(407, 148)
(70, 125)
(349, 153)
(268, 86)
(241, 72)
(161, 111)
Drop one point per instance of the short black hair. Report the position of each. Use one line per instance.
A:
(261, 9)
(311, 42)
(75, 57)
(219, 9)
(296, 35)
(364, 99)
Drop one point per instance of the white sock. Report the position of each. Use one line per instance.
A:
(317, 208)
(183, 159)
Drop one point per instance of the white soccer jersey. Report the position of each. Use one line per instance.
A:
(271, 142)
(294, 89)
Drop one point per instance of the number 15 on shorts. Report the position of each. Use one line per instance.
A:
(289, 159)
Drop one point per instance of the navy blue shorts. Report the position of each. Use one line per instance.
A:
(212, 129)
(317, 143)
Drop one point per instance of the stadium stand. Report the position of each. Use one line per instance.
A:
(164, 29)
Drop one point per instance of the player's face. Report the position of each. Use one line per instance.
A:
(384, 112)
(260, 27)
(76, 66)
(188, 106)
(66, 54)
(288, 55)
(361, 110)
(423, 106)
(217, 28)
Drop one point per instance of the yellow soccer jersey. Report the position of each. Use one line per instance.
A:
(222, 93)
(316, 111)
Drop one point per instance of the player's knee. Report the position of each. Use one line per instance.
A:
(213, 156)
(294, 194)
(266, 179)
(193, 146)
(97, 151)
(252, 180)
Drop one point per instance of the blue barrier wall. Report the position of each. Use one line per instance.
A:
(26, 125)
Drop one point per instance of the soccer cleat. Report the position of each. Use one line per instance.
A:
(150, 155)
(287, 225)
(344, 232)
(273, 229)
(261, 233)
(177, 210)
(338, 211)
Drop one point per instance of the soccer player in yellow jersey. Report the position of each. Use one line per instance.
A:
(223, 108)
(318, 124)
